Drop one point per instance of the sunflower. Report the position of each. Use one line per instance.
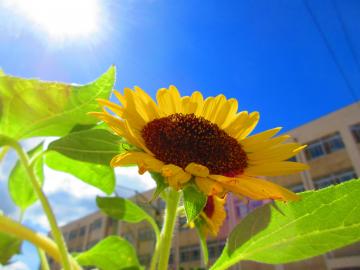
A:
(213, 215)
(204, 141)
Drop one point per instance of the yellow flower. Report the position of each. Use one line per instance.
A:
(213, 214)
(190, 137)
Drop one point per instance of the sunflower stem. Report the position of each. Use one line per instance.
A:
(58, 237)
(14, 228)
(168, 228)
(44, 265)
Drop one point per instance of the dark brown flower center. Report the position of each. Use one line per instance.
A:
(184, 138)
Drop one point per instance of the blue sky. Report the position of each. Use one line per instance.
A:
(267, 54)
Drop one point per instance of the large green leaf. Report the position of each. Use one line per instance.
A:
(19, 184)
(112, 253)
(321, 221)
(97, 175)
(93, 145)
(30, 107)
(194, 201)
(122, 209)
(9, 246)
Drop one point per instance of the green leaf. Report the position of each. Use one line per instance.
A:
(9, 246)
(122, 209)
(97, 175)
(160, 184)
(4, 140)
(30, 107)
(19, 184)
(112, 253)
(92, 145)
(321, 221)
(194, 202)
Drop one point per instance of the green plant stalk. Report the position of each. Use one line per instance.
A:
(168, 228)
(24, 159)
(44, 265)
(14, 228)
(155, 257)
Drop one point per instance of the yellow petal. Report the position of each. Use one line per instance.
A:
(218, 215)
(277, 153)
(262, 136)
(175, 98)
(149, 104)
(215, 108)
(128, 158)
(164, 101)
(197, 99)
(208, 186)
(249, 126)
(115, 108)
(175, 175)
(236, 124)
(276, 168)
(120, 97)
(197, 169)
(145, 161)
(264, 145)
(227, 113)
(258, 189)
(135, 108)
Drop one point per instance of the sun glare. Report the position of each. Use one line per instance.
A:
(63, 19)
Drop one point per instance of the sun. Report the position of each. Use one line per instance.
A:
(63, 19)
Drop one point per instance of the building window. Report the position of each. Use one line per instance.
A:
(324, 146)
(82, 231)
(356, 132)
(91, 244)
(314, 150)
(215, 249)
(171, 257)
(145, 234)
(161, 204)
(298, 188)
(241, 209)
(145, 259)
(73, 234)
(188, 254)
(96, 225)
(345, 176)
(333, 143)
(334, 179)
(128, 236)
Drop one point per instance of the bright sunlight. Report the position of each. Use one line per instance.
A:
(62, 19)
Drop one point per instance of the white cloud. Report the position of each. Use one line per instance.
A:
(16, 266)
(56, 181)
(129, 177)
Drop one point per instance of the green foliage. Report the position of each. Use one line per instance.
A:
(4, 140)
(19, 184)
(111, 253)
(97, 175)
(122, 209)
(321, 221)
(9, 246)
(160, 184)
(31, 107)
(194, 201)
(92, 145)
